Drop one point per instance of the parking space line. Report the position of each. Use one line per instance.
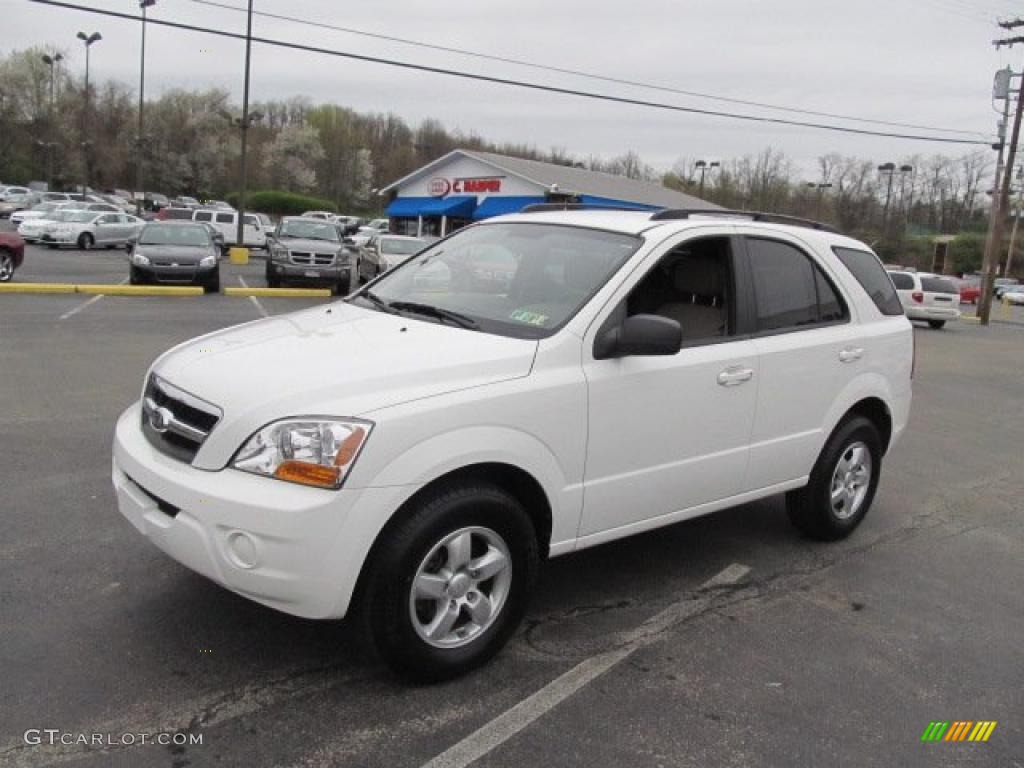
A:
(512, 721)
(253, 299)
(83, 305)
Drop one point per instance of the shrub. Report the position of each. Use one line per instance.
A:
(279, 203)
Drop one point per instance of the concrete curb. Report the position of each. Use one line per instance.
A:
(141, 290)
(277, 292)
(37, 288)
(101, 289)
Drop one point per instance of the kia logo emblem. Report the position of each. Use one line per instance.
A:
(161, 419)
(439, 187)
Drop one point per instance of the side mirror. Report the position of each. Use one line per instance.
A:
(640, 335)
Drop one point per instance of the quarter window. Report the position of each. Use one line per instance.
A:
(203, 216)
(790, 291)
(872, 277)
(225, 218)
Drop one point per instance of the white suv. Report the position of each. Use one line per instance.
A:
(525, 388)
(925, 296)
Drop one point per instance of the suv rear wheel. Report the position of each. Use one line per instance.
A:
(936, 324)
(450, 582)
(842, 484)
(6, 266)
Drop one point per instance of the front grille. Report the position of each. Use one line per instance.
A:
(312, 259)
(174, 421)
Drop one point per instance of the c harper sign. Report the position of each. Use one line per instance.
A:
(440, 187)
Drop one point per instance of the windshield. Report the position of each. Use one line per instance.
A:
(522, 280)
(394, 246)
(174, 234)
(309, 229)
(44, 207)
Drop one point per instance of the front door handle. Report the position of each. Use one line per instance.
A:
(735, 375)
(850, 354)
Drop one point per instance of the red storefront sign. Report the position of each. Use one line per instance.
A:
(439, 187)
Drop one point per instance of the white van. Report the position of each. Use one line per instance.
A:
(254, 230)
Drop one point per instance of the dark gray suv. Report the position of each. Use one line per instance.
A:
(307, 250)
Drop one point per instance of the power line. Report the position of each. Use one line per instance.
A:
(509, 82)
(576, 72)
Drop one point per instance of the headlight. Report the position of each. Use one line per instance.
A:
(208, 261)
(277, 252)
(139, 259)
(309, 451)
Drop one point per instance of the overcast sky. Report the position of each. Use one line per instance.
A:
(915, 61)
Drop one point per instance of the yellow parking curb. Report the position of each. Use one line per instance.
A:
(37, 288)
(141, 290)
(277, 292)
(970, 318)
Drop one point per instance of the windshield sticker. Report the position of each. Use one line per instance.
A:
(530, 318)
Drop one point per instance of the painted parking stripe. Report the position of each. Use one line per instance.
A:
(83, 305)
(512, 721)
(253, 299)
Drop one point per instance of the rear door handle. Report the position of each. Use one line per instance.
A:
(850, 354)
(735, 375)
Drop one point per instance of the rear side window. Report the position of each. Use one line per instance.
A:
(938, 285)
(872, 277)
(203, 216)
(789, 289)
(902, 281)
(225, 218)
(179, 213)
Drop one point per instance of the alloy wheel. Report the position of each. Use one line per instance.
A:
(460, 587)
(850, 480)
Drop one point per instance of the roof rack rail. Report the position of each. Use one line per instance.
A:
(672, 214)
(545, 207)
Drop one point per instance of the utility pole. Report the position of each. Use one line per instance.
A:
(1016, 220)
(86, 143)
(889, 169)
(245, 132)
(994, 245)
(52, 62)
(704, 167)
(821, 187)
(140, 142)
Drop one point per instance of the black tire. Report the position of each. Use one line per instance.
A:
(135, 277)
(384, 599)
(342, 287)
(936, 324)
(212, 284)
(86, 241)
(273, 281)
(811, 508)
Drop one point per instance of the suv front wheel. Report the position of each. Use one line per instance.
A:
(450, 582)
(842, 484)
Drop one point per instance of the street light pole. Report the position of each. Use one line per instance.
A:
(240, 242)
(821, 187)
(139, 141)
(887, 168)
(95, 37)
(51, 62)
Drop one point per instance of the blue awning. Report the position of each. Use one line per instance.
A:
(411, 207)
(496, 206)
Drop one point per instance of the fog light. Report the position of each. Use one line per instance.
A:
(242, 550)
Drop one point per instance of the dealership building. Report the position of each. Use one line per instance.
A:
(465, 186)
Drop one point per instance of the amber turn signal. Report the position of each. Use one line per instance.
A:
(308, 474)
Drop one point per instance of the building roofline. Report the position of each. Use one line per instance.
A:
(419, 172)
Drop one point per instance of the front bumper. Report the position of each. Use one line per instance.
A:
(284, 545)
(336, 273)
(181, 274)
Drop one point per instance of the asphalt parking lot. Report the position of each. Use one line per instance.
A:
(633, 653)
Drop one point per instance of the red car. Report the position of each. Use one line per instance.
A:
(12, 253)
(969, 290)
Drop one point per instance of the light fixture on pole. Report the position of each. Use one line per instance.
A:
(704, 166)
(95, 37)
(140, 195)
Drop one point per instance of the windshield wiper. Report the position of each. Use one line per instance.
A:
(376, 300)
(430, 310)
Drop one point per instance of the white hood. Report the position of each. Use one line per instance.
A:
(338, 360)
